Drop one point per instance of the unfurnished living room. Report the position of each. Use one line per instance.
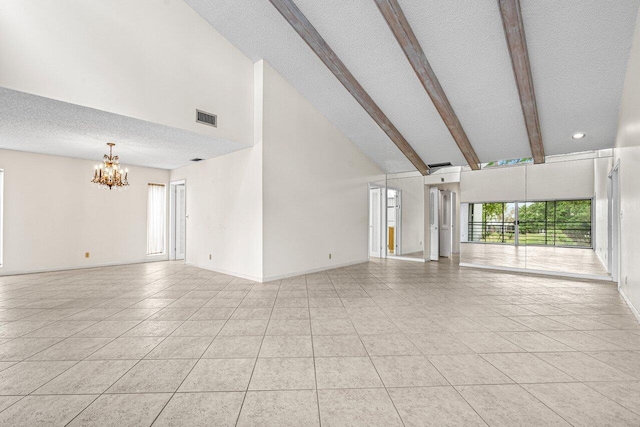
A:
(319, 213)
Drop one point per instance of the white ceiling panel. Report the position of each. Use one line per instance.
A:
(579, 52)
(359, 35)
(43, 125)
(466, 47)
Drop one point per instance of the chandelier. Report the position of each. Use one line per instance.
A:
(108, 174)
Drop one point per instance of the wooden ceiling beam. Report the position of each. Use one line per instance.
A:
(403, 33)
(517, 43)
(310, 35)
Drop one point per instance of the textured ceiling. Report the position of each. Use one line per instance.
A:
(42, 125)
(578, 49)
(579, 56)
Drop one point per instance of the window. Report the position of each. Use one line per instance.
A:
(547, 223)
(156, 219)
(555, 223)
(1, 210)
(492, 222)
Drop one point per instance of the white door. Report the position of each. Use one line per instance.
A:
(454, 222)
(434, 236)
(375, 222)
(181, 221)
(445, 223)
(614, 224)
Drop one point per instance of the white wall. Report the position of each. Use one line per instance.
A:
(224, 213)
(224, 205)
(563, 180)
(627, 152)
(493, 185)
(548, 181)
(53, 214)
(155, 60)
(315, 186)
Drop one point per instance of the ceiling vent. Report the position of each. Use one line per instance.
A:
(435, 166)
(196, 160)
(206, 118)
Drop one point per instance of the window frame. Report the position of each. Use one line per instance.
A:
(517, 241)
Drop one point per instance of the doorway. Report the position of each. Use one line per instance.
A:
(394, 221)
(178, 209)
(375, 222)
(442, 222)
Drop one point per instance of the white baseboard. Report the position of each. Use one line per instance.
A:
(227, 272)
(81, 267)
(631, 306)
(541, 272)
(280, 276)
(406, 258)
(313, 270)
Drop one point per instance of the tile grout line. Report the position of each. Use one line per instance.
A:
(128, 370)
(198, 359)
(313, 350)
(255, 363)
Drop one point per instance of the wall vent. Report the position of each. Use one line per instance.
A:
(206, 118)
(434, 166)
(196, 160)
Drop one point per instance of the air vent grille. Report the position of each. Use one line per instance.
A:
(206, 118)
(432, 167)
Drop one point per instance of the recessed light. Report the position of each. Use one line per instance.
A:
(578, 135)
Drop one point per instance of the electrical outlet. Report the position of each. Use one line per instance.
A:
(209, 257)
(329, 256)
(86, 254)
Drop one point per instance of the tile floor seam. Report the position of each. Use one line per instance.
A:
(140, 360)
(194, 365)
(313, 351)
(255, 363)
(379, 376)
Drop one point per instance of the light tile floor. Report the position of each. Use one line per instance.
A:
(383, 343)
(534, 257)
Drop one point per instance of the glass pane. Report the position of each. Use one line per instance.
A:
(405, 228)
(509, 223)
(572, 223)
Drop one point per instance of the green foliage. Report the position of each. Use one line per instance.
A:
(563, 222)
(492, 211)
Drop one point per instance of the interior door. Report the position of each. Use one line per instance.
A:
(375, 222)
(181, 221)
(434, 236)
(445, 223)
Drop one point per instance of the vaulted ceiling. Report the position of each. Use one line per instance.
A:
(578, 52)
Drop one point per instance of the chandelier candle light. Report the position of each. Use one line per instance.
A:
(108, 174)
